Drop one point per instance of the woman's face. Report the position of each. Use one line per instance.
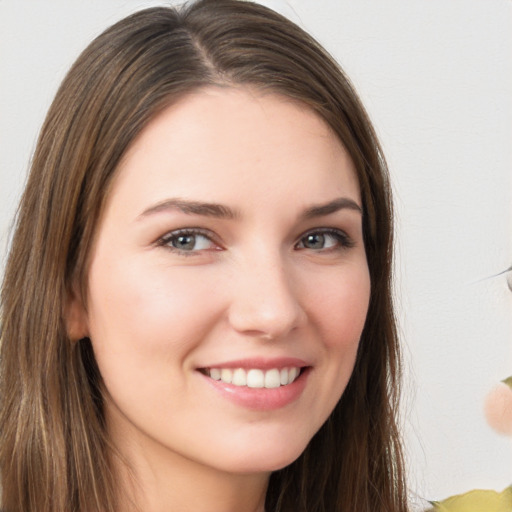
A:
(229, 258)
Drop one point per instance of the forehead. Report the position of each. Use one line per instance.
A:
(219, 138)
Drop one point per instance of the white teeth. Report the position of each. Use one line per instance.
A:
(255, 378)
(239, 377)
(272, 379)
(226, 375)
(215, 374)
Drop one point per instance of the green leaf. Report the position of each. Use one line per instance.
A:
(508, 381)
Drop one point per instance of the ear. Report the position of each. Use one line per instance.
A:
(75, 316)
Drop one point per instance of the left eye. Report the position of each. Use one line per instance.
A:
(187, 241)
(321, 240)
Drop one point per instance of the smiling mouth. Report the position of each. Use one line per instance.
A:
(254, 377)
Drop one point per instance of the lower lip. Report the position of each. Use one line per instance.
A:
(261, 399)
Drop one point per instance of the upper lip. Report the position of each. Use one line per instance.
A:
(260, 363)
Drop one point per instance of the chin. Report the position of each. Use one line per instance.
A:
(263, 459)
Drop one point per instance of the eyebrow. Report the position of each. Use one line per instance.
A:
(220, 211)
(340, 203)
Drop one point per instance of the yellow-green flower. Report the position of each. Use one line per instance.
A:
(477, 501)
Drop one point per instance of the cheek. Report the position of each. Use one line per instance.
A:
(147, 315)
(144, 326)
(341, 306)
(337, 307)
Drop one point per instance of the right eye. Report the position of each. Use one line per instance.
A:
(187, 241)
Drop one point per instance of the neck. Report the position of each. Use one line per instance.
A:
(155, 479)
(161, 489)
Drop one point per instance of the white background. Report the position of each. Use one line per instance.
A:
(436, 78)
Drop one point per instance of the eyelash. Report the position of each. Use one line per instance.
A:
(342, 239)
(167, 239)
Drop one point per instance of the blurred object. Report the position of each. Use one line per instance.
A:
(498, 407)
(509, 277)
(498, 412)
(476, 501)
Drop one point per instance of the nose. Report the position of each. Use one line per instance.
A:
(265, 301)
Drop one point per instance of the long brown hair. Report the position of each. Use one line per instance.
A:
(55, 454)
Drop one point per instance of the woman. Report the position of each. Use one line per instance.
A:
(196, 310)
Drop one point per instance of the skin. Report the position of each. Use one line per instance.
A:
(252, 286)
